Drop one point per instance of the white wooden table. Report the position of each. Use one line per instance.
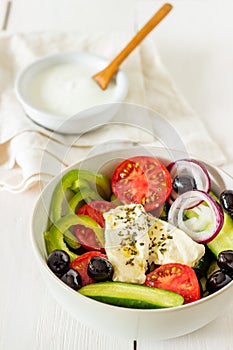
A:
(199, 55)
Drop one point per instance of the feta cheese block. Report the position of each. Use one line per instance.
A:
(168, 244)
(127, 242)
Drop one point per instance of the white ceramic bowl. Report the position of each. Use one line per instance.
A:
(154, 324)
(85, 119)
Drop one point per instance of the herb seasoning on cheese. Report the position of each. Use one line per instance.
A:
(127, 242)
(134, 239)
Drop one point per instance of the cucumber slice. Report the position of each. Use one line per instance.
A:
(131, 295)
(224, 239)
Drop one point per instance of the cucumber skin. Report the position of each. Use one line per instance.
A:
(224, 239)
(113, 293)
(127, 303)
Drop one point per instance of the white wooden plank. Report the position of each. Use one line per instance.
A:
(72, 333)
(216, 335)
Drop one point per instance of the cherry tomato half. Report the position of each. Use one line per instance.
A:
(80, 264)
(142, 180)
(177, 278)
(95, 210)
(87, 238)
(85, 235)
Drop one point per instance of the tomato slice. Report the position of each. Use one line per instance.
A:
(95, 210)
(87, 238)
(177, 278)
(142, 180)
(85, 235)
(80, 264)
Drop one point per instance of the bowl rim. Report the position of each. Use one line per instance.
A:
(120, 77)
(109, 306)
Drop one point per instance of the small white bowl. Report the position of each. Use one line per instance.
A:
(85, 119)
(153, 324)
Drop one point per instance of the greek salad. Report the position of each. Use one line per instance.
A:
(151, 236)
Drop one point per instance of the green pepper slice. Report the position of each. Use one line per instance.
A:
(98, 182)
(71, 240)
(68, 181)
(54, 238)
(83, 194)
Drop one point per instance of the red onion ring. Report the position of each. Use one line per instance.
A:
(197, 227)
(189, 167)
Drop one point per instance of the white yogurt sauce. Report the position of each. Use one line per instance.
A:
(68, 88)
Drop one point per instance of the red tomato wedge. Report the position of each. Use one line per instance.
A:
(177, 278)
(80, 264)
(85, 235)
(95, 210)
(142, 180)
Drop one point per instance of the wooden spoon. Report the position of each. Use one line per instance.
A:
(103, 77)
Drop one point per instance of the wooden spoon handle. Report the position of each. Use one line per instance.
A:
(105, 75)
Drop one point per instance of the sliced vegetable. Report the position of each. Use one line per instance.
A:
(175, 277)
(59, 194)
(85, 235)
(96, 181)
(87, 238)
(80, 264)
(224, 239)
(73, 180)
(54, 238)
(203, 222)
(142, 180)
(83, 194)
(71, 240)
(73, 203)
(132, 295)
(95, 210)
(55, 241)
(187, 175)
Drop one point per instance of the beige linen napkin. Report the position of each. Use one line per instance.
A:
(29, 153)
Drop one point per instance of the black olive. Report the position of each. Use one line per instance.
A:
(58, 261)
(217, 280)
(183, 183)
(225, 260)
(100, 269)
(73, 279)
(226, 201)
